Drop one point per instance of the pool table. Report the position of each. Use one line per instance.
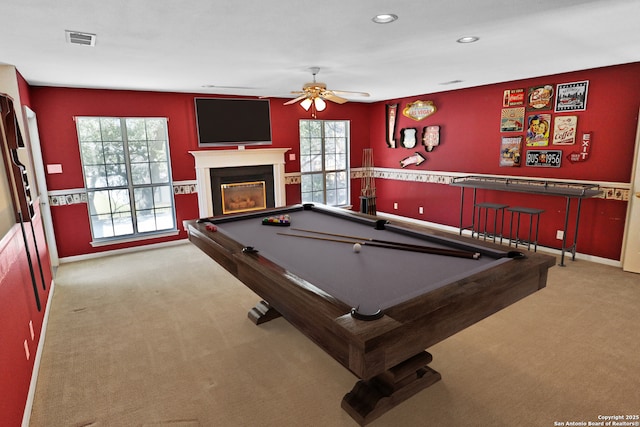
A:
(375, 309)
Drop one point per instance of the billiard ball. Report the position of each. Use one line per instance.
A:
(357, 247)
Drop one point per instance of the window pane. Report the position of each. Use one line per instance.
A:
(164, 219)
(316, 146)
(92, 153)
(110, 128)
(329, 129)
(318, 197)
(342, 197)
(144, 198)
(156, 129)
(329, 145)
(305, 146)
(146, 221)
(317, 182)
(341, 180)
(331, 181)
(138, 151)
(113, 152)
(305, 163)
(136, 129)
(315, 127)
(158, 151)
(119, 201)
(341, 161)
(140, 173)
(304, 128)
(99, 203)
(316, 163)
(306, 183)
(122, 224)
(88, 129)
(330, 162)
(159, 173)
(162, 197)
(117, 175)
(95, 176)
(101, 227)
(331, 197)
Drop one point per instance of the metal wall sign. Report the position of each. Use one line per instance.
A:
(544, 158)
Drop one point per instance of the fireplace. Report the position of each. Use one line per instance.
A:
(241, 189)
(229, 164)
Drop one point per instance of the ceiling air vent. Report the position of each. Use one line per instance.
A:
(76, 37)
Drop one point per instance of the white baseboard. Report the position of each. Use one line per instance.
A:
(122, 251)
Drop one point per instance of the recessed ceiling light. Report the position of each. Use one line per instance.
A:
(468, 39)
(384, 18)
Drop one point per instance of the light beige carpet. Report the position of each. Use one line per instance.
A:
(161, 338)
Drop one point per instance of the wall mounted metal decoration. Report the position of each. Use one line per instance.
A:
(419, 110)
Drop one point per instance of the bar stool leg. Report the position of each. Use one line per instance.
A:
(486, 218)
(530, 228)
(495, 224)
(535, 247)
(511, 229)
(518, 230)
(501, 224)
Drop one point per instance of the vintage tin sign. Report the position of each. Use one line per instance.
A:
(544, 158)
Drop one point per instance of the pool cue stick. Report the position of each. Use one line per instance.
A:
(415, 248)
(440, 251)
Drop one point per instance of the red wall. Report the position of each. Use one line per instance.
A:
(17, 309)
(56, 107)
(470, 143)
(470, 139)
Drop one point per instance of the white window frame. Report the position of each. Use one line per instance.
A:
(324, 157)
(161, 211)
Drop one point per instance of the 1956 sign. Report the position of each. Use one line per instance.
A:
(544, 158)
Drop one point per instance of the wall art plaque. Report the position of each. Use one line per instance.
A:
(419, 110)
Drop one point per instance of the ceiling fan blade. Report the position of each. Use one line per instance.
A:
(346, 92)
(293, 101)
(330, 96)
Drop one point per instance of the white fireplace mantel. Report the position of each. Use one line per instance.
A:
(213, 159)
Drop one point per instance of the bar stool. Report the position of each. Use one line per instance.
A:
(495, 207)
(527, 211)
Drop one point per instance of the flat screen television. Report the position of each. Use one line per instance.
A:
(233, 121)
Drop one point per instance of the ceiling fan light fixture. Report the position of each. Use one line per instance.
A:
(384, 18)
(320, 104)
(306, 103)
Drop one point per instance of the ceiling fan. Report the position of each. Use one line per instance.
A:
(315, 93)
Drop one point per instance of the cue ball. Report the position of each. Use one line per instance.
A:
(357, 247)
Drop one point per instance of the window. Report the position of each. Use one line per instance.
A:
(324, 161)
(127, 175)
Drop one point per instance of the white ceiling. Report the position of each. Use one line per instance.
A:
(265, 48)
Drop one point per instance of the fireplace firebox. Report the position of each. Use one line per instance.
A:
(241, 189)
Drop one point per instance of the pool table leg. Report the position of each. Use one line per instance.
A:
(263, 313)
(369, 399)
